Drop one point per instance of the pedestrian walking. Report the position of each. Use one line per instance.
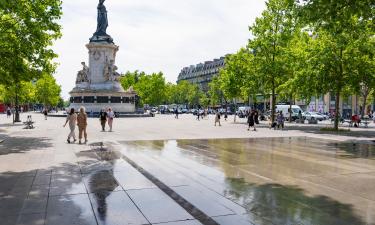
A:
(82, 124)
(72, 119)
(280, 120)
(111, 116)
(226, 115)
(256, 117)
(217, 119)
(103, 119)
(45, 113)
(9, 112)
(251, 121)
(176, 113)
(198, 114)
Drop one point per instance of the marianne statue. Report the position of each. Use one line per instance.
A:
(101, 29)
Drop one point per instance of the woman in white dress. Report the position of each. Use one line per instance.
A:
(72, 119)
(110, 115)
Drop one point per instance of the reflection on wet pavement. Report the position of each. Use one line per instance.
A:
(272, 181)
(275, 180)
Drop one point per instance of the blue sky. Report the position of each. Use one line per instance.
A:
(155, 35)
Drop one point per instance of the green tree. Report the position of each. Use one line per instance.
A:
(215, 93)
(150, 88)
(272, 33)
(335, 26)
(25, 95)
(48, 91)
(363, 64)
(27, 30)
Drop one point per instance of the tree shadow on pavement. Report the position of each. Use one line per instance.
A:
(24, 201)
(12, 145)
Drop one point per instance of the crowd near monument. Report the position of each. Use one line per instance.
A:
(98, 84)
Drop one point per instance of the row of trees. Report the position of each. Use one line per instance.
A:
(44, 91)
(302, 49)
(154, 90)
(27, 32)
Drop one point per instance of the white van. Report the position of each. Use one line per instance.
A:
(285, 109)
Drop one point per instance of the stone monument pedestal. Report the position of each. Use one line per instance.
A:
(98, 86)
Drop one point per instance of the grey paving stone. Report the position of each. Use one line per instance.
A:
(31, 219)
(94, 166)
(157, 206)
(101, 181)
(68, 189)
(187, 222)
(8, 220)
(132, 179)
(42, 180)
(71, 209)
(11, 205)
(116, 208)
(209, 205)
(233, 220)
(67, 184)
(39, 191)
(34, 205)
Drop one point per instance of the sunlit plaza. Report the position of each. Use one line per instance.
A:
(191, 112)
(164, 170)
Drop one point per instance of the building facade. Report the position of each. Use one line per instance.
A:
(202, 73)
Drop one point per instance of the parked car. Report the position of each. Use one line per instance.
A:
(184, 110)
(325, 117)
(313, 116)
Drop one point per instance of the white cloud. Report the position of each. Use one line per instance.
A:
(155, 35)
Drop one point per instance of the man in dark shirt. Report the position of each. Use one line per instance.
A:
(103, 118)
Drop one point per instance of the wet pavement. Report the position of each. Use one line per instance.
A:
(266, 181)
(257, 181)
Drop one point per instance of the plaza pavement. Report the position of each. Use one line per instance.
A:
(185, 172)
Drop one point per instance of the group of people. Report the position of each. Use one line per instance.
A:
(80, 120)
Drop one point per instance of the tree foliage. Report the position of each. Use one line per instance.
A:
(47, 91)
(27, 29)
(272, 35)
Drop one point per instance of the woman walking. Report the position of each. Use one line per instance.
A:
(82, 124)
(110, 116)
(250, 120)
(103, 119)
(217, 118)
(72, 119)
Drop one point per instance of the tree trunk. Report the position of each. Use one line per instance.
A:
(273, 108)
(364, 108)
(290, 109)
(235, 111)
(337, 114)
(17, 116)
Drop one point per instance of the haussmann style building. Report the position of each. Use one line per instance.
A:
(202, 73)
